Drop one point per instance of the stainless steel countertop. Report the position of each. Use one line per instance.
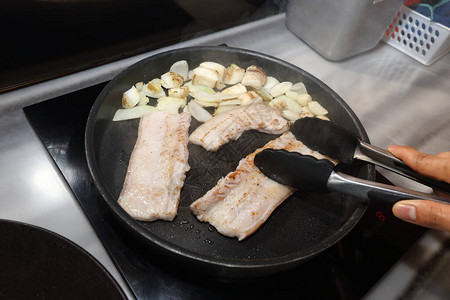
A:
(398, 100)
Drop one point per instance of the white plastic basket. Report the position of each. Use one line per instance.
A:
(417, 36)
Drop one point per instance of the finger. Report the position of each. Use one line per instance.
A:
(443, 154)
(426, 164)
(425, 213)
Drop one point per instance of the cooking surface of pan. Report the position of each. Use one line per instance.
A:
(303, 226)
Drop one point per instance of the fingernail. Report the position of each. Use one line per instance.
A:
(405, 212)
(392, 147)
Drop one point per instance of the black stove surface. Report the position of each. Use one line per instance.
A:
(347, 270)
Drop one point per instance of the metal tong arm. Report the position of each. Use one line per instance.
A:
(376, 191)
(385, 159)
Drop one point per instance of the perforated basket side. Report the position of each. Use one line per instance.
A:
(418, 37)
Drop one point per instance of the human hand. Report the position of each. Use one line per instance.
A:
(426, 213)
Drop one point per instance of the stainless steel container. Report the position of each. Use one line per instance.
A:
(339, 29)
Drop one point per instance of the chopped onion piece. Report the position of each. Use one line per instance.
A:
(204, 76)
(217, 97)
(131, 97)
(170, 104)
(190, 74)
(198, 112)
(206, 104)
(230, 102)
(179, 92)
(153, 89)
(171, 79)
(143, 100)
(197, 88)
(139, 85)
(181, 67)
(132, 113)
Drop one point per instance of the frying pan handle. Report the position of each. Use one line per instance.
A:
(376, 191)
(385, 159)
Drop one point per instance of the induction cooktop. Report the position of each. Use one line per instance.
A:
(347, 270)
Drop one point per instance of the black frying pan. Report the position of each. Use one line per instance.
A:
(303, 226)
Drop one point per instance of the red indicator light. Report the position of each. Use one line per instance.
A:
(380, 216)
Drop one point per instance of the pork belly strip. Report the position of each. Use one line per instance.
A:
(243, 200)
(157, 167)
(231, 124)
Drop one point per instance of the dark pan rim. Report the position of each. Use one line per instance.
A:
(269, 263)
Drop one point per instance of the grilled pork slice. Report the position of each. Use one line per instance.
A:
(157, 167)
(243, 200)
(231, 124)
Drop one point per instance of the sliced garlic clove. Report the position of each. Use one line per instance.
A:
(204, 76)
(131, 97)
(299, 88)
(307, 115)
(280, 88)
(153, 89)
(234, 74)
(218, 68)
(250, 97)
(220, 86)
(270, 83)
(264, 94)
(278, 103)
(303, 99)
(323, 118)
(290, 104)
(254, 77)
(171, 79)
(290, 115)
(223, 108)
(181, 67)
(235, 89)
(317, 109)
(291, 94)
(305, 109)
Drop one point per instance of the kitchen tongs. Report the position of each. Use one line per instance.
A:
(309, 174)
(336, 142)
